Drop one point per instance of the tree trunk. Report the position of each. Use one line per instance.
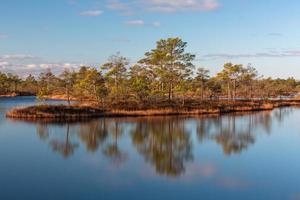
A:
(229, 92)
(68, 96)
(102, 102)
(234, 89)
(169, 96)
(251, 91)
(202, 90)
(15, 87)
(95, 93)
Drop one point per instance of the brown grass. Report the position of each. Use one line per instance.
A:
(54, 112)
(77, 112)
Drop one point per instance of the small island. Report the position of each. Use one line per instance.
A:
(164, 82)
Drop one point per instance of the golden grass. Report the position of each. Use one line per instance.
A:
(13, 94)
(54, 111)
(59, 97)
(79, 112)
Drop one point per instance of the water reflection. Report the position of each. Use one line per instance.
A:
(166, 143)
(93, 134)
(235, 133)
(105, 134)
(61, 145)
(65, 147)
(42, 131)
(112, 149)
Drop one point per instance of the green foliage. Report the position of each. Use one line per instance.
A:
(140, 82)
(165, 75)
(201, 79)
(116, 75)
(169, 63)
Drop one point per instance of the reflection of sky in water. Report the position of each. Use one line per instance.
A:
(249, 156)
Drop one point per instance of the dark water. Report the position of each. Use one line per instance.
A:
(250, 156)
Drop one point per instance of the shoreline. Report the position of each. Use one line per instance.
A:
(77, 112)
(59, 97)
(9, 95)
(16, 95)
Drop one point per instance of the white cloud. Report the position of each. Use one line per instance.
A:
(91, 13)
(3, 64)
(36, 68)
(67, 65)
(16, 57)
(24, 64)
(31, 66)
(180, 5)
(135, 22)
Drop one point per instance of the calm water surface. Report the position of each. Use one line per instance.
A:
(249, 156)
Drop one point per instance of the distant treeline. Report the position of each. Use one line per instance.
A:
(165, 74)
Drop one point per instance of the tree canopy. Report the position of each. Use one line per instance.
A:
(166, 75)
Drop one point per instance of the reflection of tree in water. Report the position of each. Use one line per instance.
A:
(236, 132)
(93, 134)
(104, 132)
(112, 149)
(42, 131)
(65, 147)
(165, 143)
(281, 113)
(62, 146)
(3, 110)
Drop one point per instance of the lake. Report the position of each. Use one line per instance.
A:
(235, 156)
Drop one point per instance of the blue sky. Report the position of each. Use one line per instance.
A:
(57, 34)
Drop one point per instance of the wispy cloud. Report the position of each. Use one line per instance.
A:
(270, 54)
(3, 36)
(117, 5)
(120, 40)
(140, 22)
(208, 5)
(163, 6)
(156, 24)
(124, 8)
(16, 57)
(275, 34)
(135, 23)
(91, 13)
(167, 6)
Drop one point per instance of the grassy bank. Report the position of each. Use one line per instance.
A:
(54, 112)
(14, 94)
(77, 112)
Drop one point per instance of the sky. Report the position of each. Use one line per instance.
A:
(57, 34)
